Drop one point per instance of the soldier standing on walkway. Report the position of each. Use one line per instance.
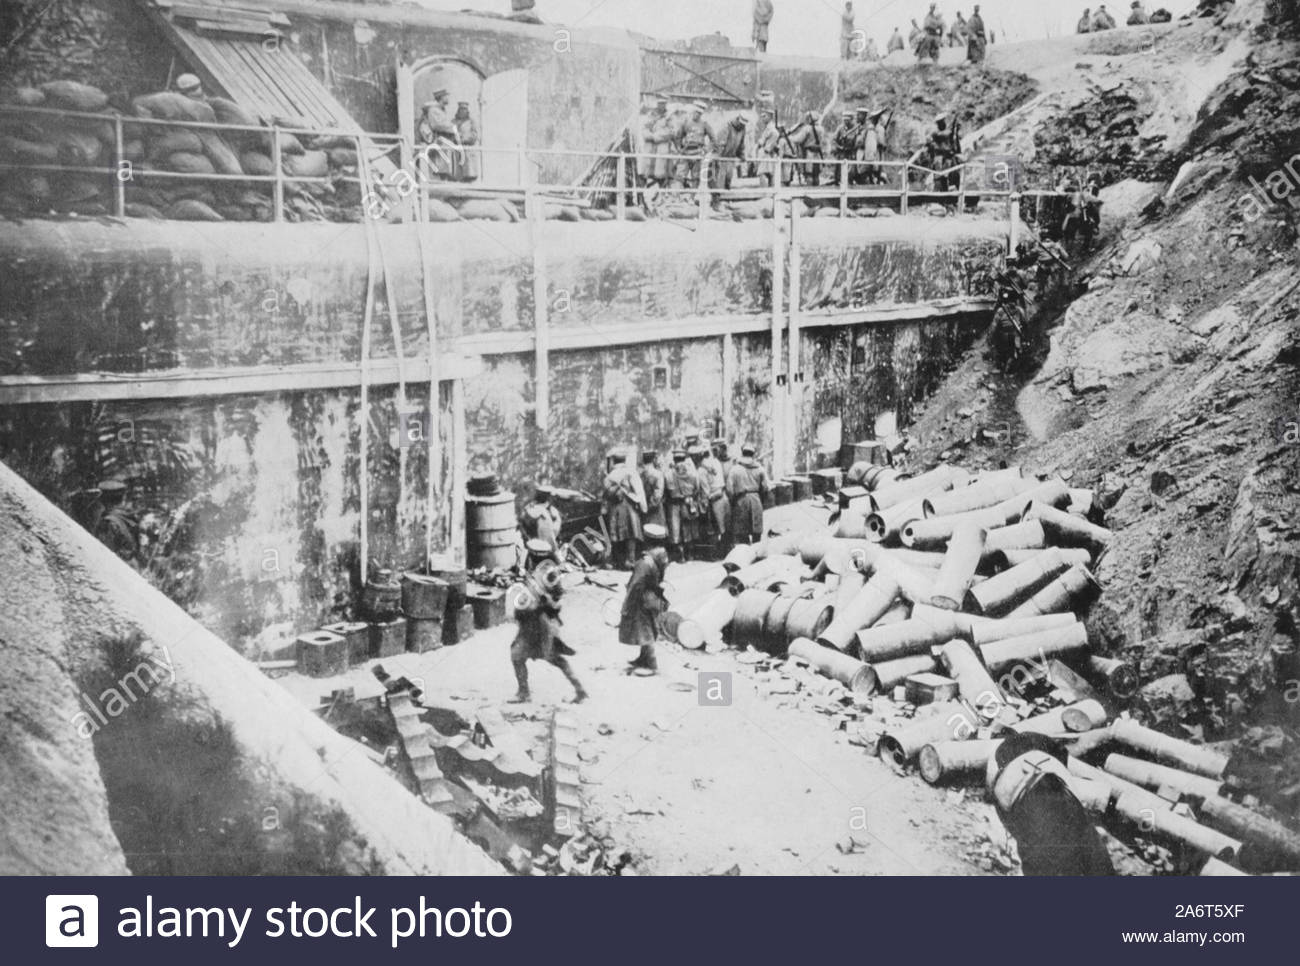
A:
(747, 487)
(763, 13)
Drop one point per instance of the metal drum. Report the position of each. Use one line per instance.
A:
(809, 617)
(751, 611)
(491, 531)
(774, 639)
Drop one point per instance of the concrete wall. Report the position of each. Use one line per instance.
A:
(237, 346)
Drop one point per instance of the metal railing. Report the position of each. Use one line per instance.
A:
(397, 180)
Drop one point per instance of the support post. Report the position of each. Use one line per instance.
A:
(907, 177)
(277, 163)
(844, 188)
(119, 186)
(620, 199)
(794, 373)
(728, 379)
(778, 306)
(1013, 213)
(459, 467)
(541, 314)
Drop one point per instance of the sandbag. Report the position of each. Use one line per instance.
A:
(330, 142)
(309, 164)
(288, 144)
(169, 142)
(76, 188)
(27, 97)
(133, 150)
(188, 163)
(634, 214)
(74, 96)
(28, 152)
(218, 152)
(232, 212)
(134, 209)
(170, 106)
(191, 210)
(228, 112)
(441, 211)
(74, 147)
(255, 162)
(483, 210)
(190, 192)
(342, 157)
(35, 184)
(597, 214)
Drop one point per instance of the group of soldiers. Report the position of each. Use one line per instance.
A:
(1095, 22)
(450, 140)
(652, 516)
(927, 38)
(705, 497)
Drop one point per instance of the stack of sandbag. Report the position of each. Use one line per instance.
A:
(41, 139)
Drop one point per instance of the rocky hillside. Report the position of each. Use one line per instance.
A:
(1170, 383)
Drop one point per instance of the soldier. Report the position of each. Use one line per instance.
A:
(1031, 786)
(536, 606)
(872, 145)
(1102, 20)
(914, 38)
(713, 485)
(467, 132)
(805, 142)
(763, 13)
(1137, 14)
(848, 29)
(660, 133)
(191, 87)
(653, 484)
(645, 604)
(895, 42)
(944, 149)
(624, 506)
(767, 147)
(845, 146)
(932, 35)
(695, 140)
(1085, 22)
(732, 152)
(957, 32)
(541, 520)
(747, 487)
(683, 488)
(976, 38)
(438, 134)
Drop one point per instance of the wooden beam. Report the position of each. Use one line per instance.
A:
(778, 324)
(728, 380)
(794, 366)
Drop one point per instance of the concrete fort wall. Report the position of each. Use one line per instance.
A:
(216, 370)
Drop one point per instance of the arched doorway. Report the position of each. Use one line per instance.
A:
(498, 104)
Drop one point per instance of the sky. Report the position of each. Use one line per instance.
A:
(805, 27)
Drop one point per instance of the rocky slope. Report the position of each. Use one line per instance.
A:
(1171, 385)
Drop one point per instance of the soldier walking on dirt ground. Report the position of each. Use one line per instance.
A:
(536, 605)
(645, 604)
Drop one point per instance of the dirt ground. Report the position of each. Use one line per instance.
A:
(767, 785)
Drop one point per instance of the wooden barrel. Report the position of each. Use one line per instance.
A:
(382, 598)
(809, 617)
(491, 531)
(424, 598)
(751, 612)
(454, 576)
